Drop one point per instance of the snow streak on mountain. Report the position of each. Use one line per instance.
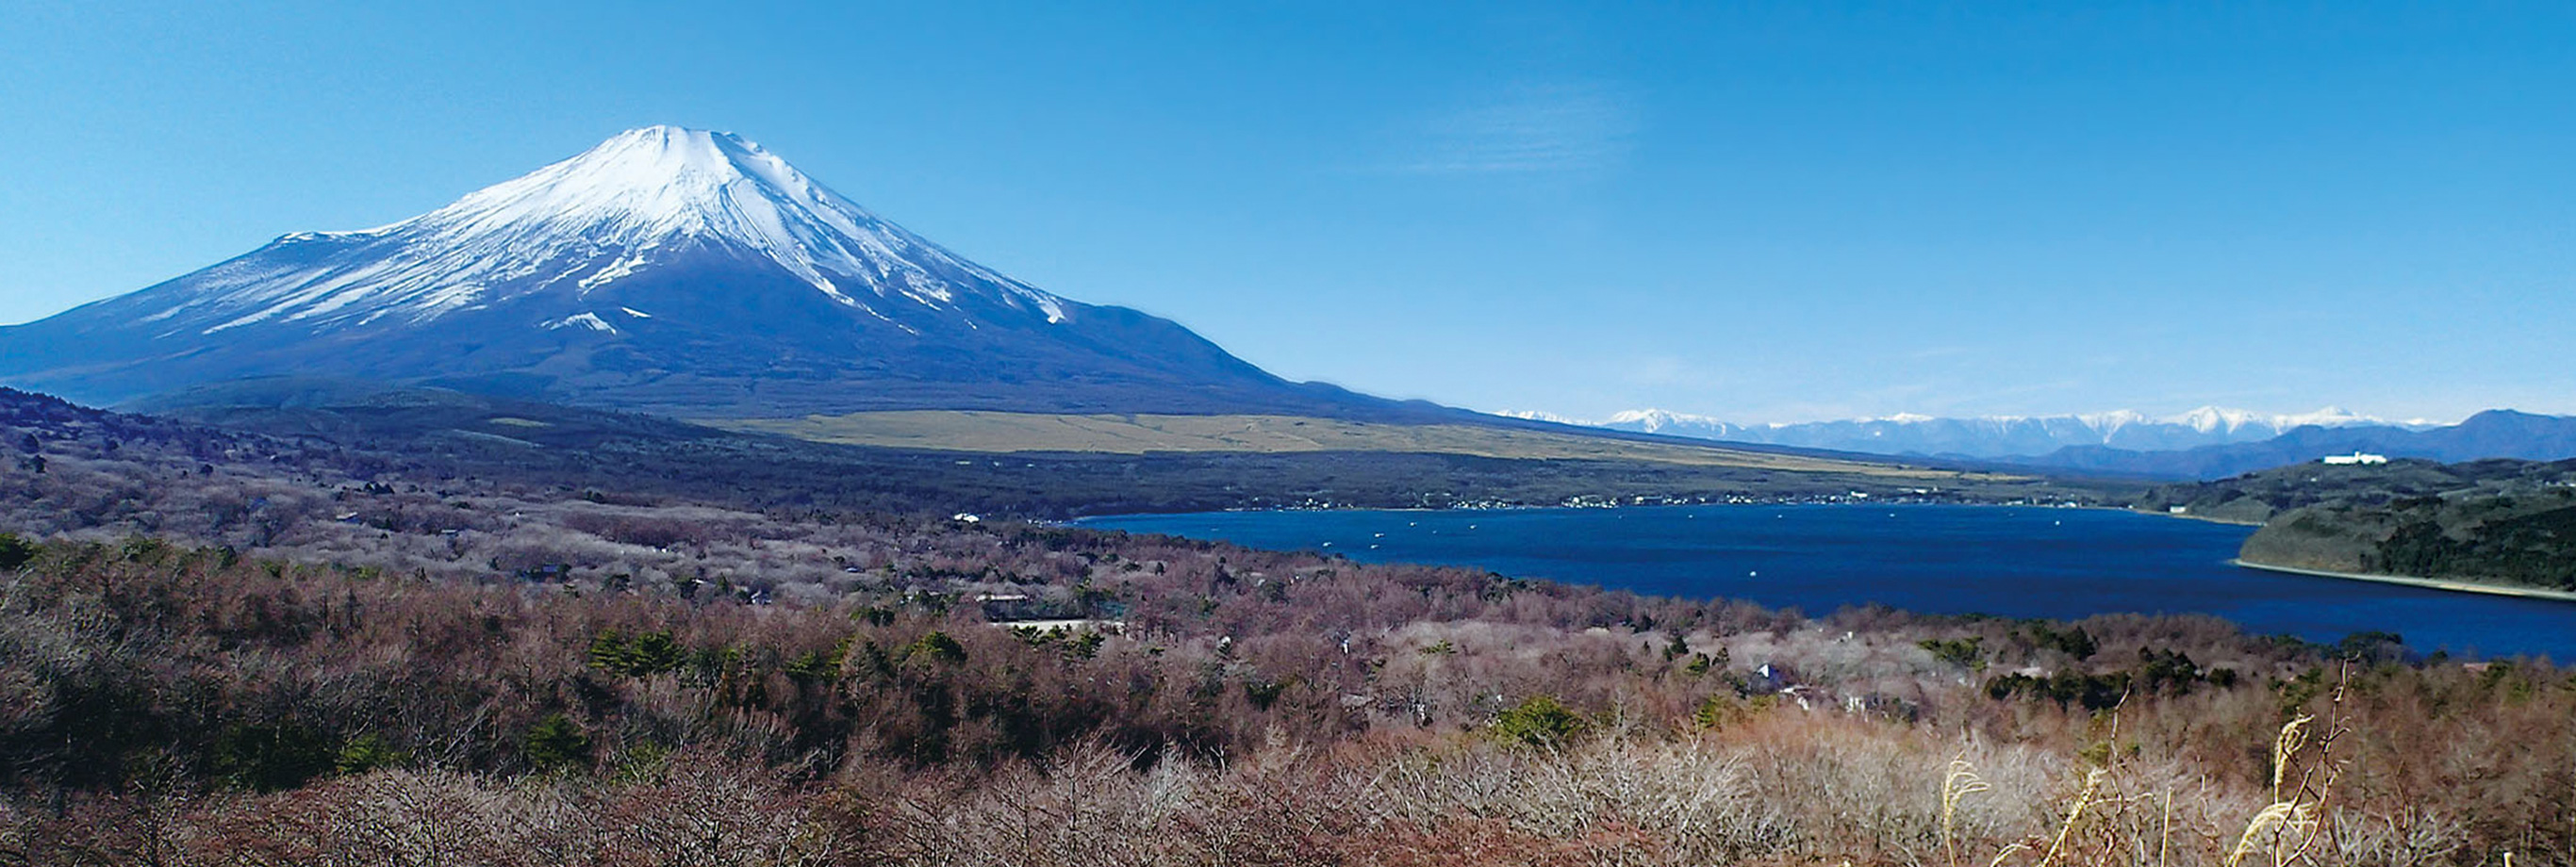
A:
(669, 269)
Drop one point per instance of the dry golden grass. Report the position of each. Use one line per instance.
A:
(1141, 434)
(1960, 782)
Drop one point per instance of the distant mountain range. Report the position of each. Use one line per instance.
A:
(1988, 436)
(2205, 443)
(670, 270)
(2500, 433)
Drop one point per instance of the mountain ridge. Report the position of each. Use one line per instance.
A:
(2492, 434)
(1987, 437)
(679, 271)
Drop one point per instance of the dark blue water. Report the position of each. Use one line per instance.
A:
(2014, 562)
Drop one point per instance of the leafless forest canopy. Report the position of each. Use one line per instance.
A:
(227, 648)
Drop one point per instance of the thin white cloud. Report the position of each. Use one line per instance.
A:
(1525, 129)
(1660, 370)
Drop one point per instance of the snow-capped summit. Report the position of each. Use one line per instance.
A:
(656, 194)
(1655, 420)
(1645, 421)
(671, 269)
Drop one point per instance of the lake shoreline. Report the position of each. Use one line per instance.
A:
(2187, 516)
(1080, 520)
(2056, 561)
(2450, 584)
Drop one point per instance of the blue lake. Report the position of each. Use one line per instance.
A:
(2009, 561)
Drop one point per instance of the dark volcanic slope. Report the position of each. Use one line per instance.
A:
(667, 270)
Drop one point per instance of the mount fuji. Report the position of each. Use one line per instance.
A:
(667, 270)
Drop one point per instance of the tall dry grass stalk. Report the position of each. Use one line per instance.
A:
(2294, 735)
(2291, 824)
(2272, 819)
(1960, 782)
(2083, 799)
(2164, 836)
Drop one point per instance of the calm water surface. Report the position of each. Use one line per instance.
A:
(2010, 561)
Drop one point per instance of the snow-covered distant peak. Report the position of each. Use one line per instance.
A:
(2333, 416)
(1538, 415)
(1664, 421)
(1987, 436)
(2112, 420)
(1655, 417)
(642, 198)
(2209, 419)
(2219, 419)
(1640, 420)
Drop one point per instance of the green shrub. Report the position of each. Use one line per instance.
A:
(2073, 642)
(820, 665)
(557, 743)
(1965, 653)
(271, 758)
(1539, 721)
(1726, 710)
(937, 646)
(15, 552)
(638, 656)
(367, 752)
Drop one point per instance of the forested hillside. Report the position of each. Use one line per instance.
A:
(2521, 537)
(2255, 498)
(2499, 521)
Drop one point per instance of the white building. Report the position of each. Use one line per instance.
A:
(2355, 458)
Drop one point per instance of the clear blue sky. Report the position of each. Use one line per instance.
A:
(1760, 212)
